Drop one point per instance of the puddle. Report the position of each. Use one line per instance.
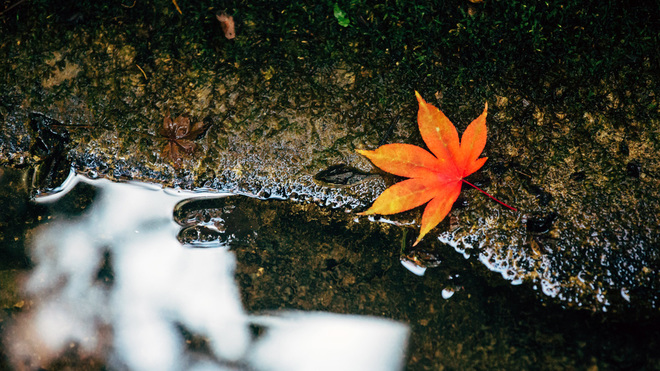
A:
(134, 276)
(113, 286)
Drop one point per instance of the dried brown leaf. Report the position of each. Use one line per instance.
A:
(227, 24)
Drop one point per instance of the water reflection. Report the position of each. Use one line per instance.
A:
(114, 286)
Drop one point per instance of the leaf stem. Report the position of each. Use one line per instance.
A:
(484, 192)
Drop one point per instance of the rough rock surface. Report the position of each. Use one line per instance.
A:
(574, 123)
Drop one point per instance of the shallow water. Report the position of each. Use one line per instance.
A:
(214, 281)
(112, 287)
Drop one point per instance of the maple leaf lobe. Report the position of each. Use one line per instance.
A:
(436, 177)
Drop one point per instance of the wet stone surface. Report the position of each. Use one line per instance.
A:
(573, 121)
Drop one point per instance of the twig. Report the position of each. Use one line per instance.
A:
(520, 172)
(11, 7)
(389, 130)
(141, 70)
(129, 7)
(177, 7)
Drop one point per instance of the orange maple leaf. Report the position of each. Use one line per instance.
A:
(435, 177)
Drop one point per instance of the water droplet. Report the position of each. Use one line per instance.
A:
(414, 268)
(447, 293)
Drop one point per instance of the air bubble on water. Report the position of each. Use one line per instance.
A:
(447, 293)
(625, 294)
(56, 193)
(413, 267)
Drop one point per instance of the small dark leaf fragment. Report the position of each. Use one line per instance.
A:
(340, 175)
(633, 169)
(541, 224)
(227, 24)
(542, 196)
(578, 176)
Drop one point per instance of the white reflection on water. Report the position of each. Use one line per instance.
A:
(160, 287)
